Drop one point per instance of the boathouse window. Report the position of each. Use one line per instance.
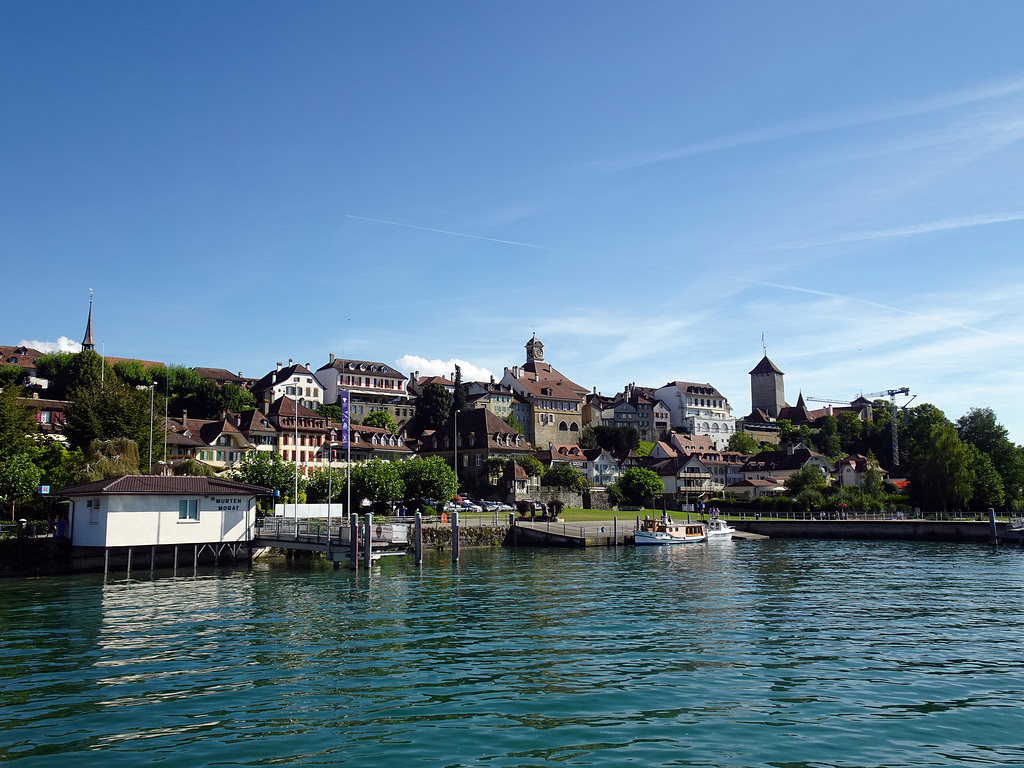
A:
(188, 509)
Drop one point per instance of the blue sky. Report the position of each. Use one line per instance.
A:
(648, 187)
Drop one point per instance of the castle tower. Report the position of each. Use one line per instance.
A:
(767, 391)
(87, 343)
(534, 350)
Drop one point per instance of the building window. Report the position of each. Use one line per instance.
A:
(188, 509)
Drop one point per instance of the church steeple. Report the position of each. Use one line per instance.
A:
(87, 343)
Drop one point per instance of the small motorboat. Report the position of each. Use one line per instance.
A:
(719, 530)
(666, 531)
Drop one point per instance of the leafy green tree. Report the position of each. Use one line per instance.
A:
(617, 439)
(639, 486)
(587, 439)
(111, 410)
(742, 442)
(808, 476)
(324, 481)
(331, 412)
(433, 408)
(944, 479)
(827, 439)
(55, 367)
(531, 465)
(233, 398)
(987, 490)
(268, 470)
(644, 448)
(17, 423)
(60, 467)
(12, 376)
(428, 478)
(133, 373)
(19, 479)
(873, 481)
(381, 420)
(513, 422)
(110, 458)
(785, 430)
(980, 428)
(565, 476)
(850, 431)
(192, 468)
(377, 480)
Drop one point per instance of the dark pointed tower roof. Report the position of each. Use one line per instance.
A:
(766, 366)
(87, 342)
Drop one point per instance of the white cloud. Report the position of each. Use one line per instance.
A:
(63, 344)
(436, 367)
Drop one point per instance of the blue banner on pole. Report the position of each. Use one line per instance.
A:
(343, 402)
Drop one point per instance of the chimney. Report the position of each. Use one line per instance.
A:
(291, 361)
(331, 358)
(278, 366)
(184, 418)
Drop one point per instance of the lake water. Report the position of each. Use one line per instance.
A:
(770, 653)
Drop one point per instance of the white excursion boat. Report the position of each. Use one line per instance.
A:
(719, 530)
(665, 531)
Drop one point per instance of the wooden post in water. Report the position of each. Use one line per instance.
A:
(992, 524)
(129, 562)
(418, 538)
(353, 541)
(615, 530)
(368, 533)
(175, 559)
(455, 536)
(106, 560)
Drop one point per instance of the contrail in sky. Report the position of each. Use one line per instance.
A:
(827, 294)
(448, 232)
(913, 229)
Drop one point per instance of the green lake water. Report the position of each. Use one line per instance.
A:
(769, 653)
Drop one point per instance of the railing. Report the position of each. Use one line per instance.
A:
(751, 514)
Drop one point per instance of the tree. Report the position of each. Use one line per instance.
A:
(235, 399)
(133, 373)
(987, 490)
(192, 468)
(268, 470)
(433, 408)
(17, 423)
(742, 442)
(459, 401)
(617, 439)
(851, 431)
(785, 430)
(382, 420)
(330, 412)
(587, 439)
(514, 423)
(12, 376)
(110, 458)
(19, 479)
(428, 478)
(827, 439)
(377, 480)
(531, 465)
(566, 477)
(111, 410)
(322, 482)
(60, 467)
(809, 476)
(638, 486)
(945, 476)
(980, 428)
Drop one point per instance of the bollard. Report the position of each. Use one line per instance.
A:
(368, 533)
(129, 562)
(615, 529)
(992, 524)
(418, 538)
(353, 541)
(455, 536)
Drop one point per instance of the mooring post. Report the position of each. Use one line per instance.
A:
(455, 536)
(129, 562)
(106, 560)
(353, 541)
(195, 558)
(615, 529)
(175, 559)
(418, 538)
(368, 533)
(152, 560)
(992, 524)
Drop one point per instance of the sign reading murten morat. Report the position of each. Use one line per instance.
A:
(228, 504)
